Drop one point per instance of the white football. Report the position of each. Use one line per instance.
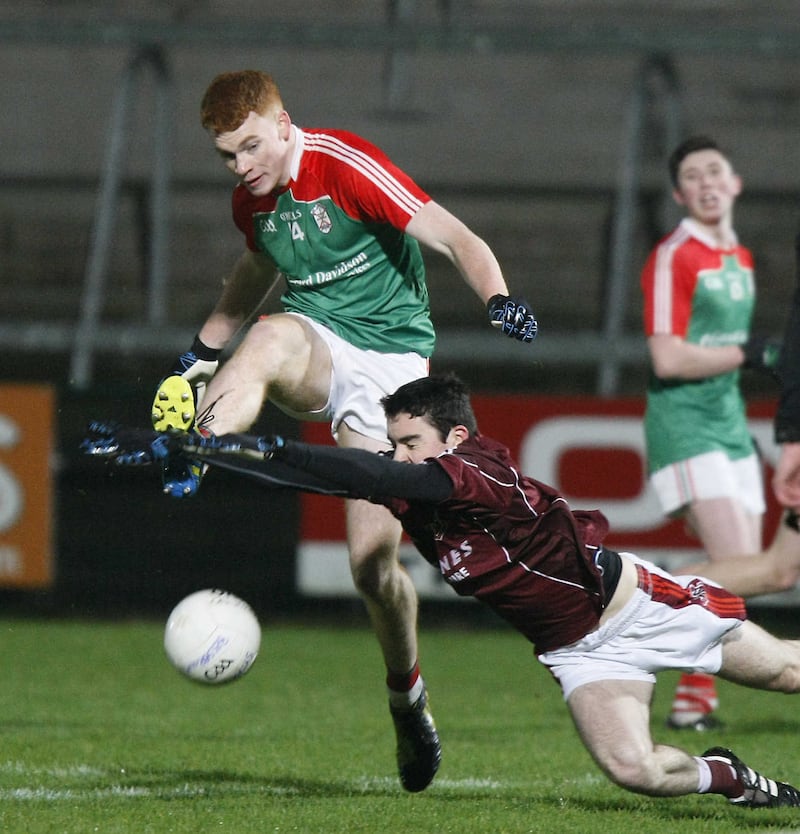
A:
(212, 636)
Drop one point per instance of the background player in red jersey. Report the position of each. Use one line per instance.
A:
(778, 567)
(699, 294)
(343, 225)
(604, 623)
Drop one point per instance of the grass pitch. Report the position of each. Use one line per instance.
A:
(100, 734)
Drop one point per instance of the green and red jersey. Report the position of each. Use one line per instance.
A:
(337, 232)
(705, 295)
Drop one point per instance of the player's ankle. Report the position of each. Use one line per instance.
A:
(405, 687)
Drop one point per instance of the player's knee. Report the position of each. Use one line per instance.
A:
(368, 577)
(373, 572)
(788, 681)
(274, 349)
(634, 774)
(269, 335)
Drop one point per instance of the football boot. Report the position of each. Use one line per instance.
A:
(759, 791)
(418, 749)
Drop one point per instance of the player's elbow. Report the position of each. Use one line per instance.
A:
(784, 578)
(665, 367)
(667, 356)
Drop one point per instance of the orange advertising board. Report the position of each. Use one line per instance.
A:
(26, 488)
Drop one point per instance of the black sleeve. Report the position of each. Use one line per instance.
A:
(368, 474)
(349, 473)
(787, 419)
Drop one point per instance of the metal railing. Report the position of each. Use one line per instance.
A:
(149, 44)
(656, 83)
(94, 289)
(611, 345)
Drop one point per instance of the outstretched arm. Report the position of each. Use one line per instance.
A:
(353, 473)
(435, 227)
(441, 231)
(276, 462)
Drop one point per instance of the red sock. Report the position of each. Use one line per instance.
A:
(724, 779)
(402, 682)
(696, 693)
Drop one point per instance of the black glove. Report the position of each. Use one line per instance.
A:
(513, 315)
(762, 353)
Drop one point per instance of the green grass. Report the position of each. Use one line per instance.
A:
(99, 734)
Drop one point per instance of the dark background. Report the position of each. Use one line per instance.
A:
(511, 114)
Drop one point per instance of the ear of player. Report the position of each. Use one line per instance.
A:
(513, 316)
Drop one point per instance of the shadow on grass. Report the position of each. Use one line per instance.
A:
(689, 813)
(758, 727)
(686, 810)
(190, 784)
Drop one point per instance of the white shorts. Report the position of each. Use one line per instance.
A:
(660, 628)
(710, 475)
(359, 379)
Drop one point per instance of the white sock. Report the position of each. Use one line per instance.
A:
(703, 774)
(406, 699)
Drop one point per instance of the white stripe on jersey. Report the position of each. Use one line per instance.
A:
(366, 165)
(662, 280)
(515, 485)
(552, 578)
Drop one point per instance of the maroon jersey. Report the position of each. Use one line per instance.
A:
(513, 543)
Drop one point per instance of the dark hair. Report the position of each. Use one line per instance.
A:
(443, 400)
(690, 145)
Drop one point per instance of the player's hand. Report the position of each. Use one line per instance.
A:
(514, 316)
(102, 440)
(127, 447)
(786, 478)
(198, 364)
(762, 353)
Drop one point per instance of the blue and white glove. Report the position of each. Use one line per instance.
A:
(514, 316)
(180, 392)
(127, 447)
(198, 364)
